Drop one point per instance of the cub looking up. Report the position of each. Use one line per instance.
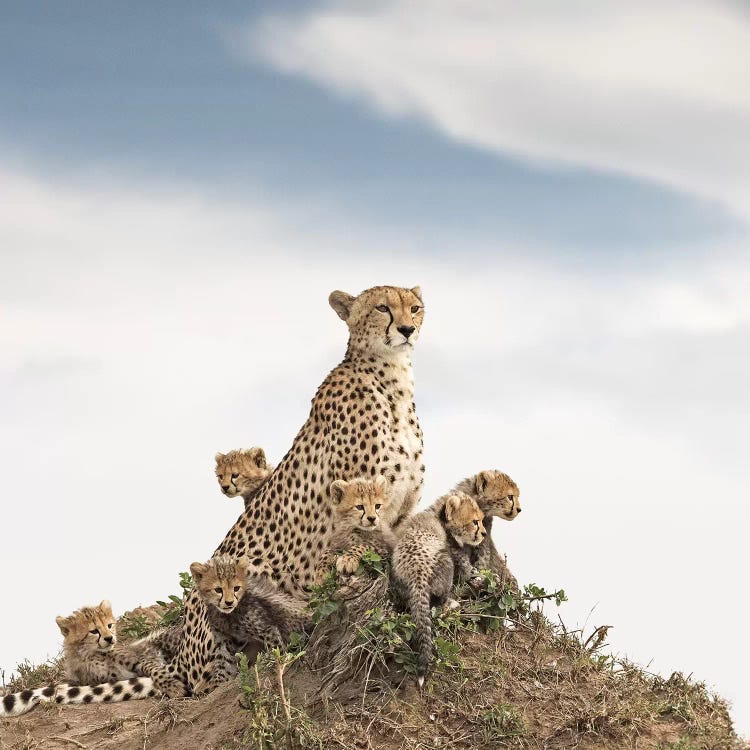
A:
(496, 494)
(242, 472)
(422, 566)
(358, 523)
(243, 607)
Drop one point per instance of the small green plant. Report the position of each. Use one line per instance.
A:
(135, 626)
(273, 723)
(372, 564)
(323, 601)
(387, 636)
(502, 721)
(175, 607)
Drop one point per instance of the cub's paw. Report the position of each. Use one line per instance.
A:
(347, 564)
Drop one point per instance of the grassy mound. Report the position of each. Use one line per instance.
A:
(505, 675)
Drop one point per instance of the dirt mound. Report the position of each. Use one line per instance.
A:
(505, 676)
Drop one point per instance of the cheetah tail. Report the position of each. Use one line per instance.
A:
(419, 605)
(135, 688)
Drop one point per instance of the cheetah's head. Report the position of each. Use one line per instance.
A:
(221, 581)
(464, 520)
(384, 320)
(241, 472)
(497, 494)
(360, 502)
(90, 628)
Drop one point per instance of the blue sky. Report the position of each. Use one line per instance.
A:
(154, 88)
(183, 184)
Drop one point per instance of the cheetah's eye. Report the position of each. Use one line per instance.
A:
(382, 308)
(94, 632)
(110, 626)
(359, 507)
(236, 589)
(415, 309)
(476, 524)
(378, 506)
(218, 589)
(234, 476)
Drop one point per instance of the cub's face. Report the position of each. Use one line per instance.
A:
(241, 472)
(385, 319)
(220, 581)
(90, 628)
(464, 520)
(358, 504)
(497, 495)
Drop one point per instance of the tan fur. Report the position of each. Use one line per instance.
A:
(496, 494)
(358, 526)
(362, 423)
(242, 472)
(422, 566)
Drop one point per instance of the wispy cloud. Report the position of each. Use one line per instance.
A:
(660, 91)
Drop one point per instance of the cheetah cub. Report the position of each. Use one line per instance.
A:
(242, 472)
(497, 495)
(243, 607)
(423, 567)
(93, 656)
(358, 522)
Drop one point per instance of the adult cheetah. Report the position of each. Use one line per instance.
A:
(362, 423)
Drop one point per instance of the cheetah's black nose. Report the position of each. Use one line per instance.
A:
(371, 519)
(518, 510)
(225, 487)
(228, 603)
(406, 330)
(109, 639)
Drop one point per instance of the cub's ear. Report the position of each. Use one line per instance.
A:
(218, 457)
(380, 482)
(198, 570)
(341, 302)
(481, 481)
(337, 491)
(105, 605)
(242, 565)
(452, 504)
(63, 624)
(417, 292)
(258, 455)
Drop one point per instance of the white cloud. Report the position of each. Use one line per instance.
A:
(654, 90)
(142, 331)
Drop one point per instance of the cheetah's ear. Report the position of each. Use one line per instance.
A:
(481, 481)
(198, 570)
(218, 457)
(341, 302)
(63, 624)
(452, 504)
(417, 292)
(105, 605)
(258, 455)
(380, 482)
(337, 491)
(242, 565)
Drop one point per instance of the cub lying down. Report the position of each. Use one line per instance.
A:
(93, 656)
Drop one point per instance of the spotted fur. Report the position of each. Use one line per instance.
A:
(362, 424)
(422, 566)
